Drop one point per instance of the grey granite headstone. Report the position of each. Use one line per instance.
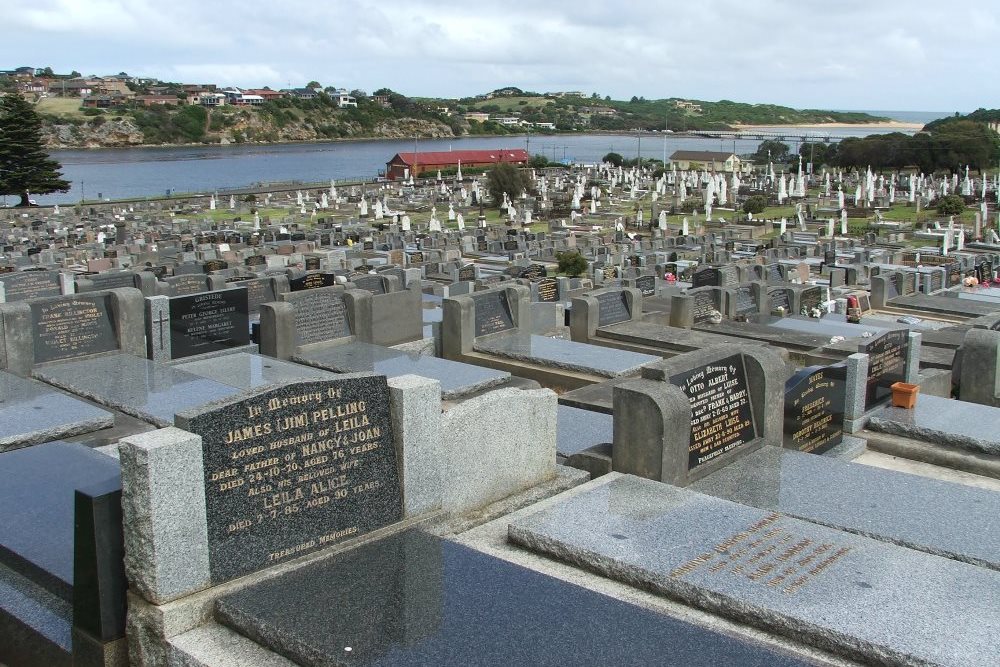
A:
(858, 597)
(942, 518)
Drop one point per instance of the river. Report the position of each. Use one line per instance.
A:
(151, 172)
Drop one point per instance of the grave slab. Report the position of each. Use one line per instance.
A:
(250, 371)
(943, 421)
(36, 540)
(853, 595)
(942, 518)
(564, 354)
(135, 386)
(31, 413)
(414, 599)
(457, 379)
(577, 430)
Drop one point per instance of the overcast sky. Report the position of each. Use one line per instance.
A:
(843, 54)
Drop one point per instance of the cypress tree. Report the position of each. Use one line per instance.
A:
(25, 166)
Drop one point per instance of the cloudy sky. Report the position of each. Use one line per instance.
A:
(848, 54)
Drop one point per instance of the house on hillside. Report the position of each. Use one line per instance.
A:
(207, 99)
(710, 160)
(420, 163)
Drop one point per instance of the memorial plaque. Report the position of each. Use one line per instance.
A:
(511, 245)
(864, 302)
(416, 257)
(610, 272)
(256, 260)
(909, 280)
(113, 280)
(812, 297)
(936, 280)
(30, 285)
(548, 290)
(467, 273)
(892, 285)
(215, 265)
(259, 290)
(954, 274)
(72, 327)
(370, 283)
(814, 408)
(533, 272)
(368, 245)
(646, 285)
(295, 469)
(886, 364)
(313, 263)
(745, 304)
(209, 322)
(312, 281)
(729, 276)
(482, 246)
(721, 413)
(492, 313)
(778, 298)
(705, 306)
(187, 284)
(320, 316)
(706, 278)
(612, 308)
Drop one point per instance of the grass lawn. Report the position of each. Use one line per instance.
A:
(514, 103)
(60, 106)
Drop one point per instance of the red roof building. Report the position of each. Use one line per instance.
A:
(419, 163)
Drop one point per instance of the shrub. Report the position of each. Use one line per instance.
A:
(571, 263)
(950, 205)
(755, 204)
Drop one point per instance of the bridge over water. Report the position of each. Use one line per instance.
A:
(762, 135)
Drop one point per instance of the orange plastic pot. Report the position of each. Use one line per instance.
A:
(904, 395)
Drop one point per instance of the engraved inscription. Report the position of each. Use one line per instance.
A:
(612, 308)
(886, 364)
(72, 327)
(320, 316)
(766, 553)
(814, 409)
(721, 413)
(548, 290)
(208, 322)
(30, 285)
(492, 313)
(295, 469)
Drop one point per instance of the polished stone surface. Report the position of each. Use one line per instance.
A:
(874, 601)
(457, 379)
(944, 422)
(137, 387)
(825, 327)
(250, 371)
(577, 430)
(325, 461)
(414, 599)
(37, 485)
(564, 354)
(942, 518)
(31, 412)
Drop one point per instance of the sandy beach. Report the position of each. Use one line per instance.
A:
(890, 125)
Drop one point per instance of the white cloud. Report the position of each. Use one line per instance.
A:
(847, 54)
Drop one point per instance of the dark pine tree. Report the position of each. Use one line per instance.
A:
(24, 165)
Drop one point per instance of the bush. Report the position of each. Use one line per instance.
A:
(755, 204)
(613, 158)
(505, 177)
(90, 111)
(571, 263)
(950, 205)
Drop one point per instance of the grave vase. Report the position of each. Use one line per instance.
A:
(904, 395)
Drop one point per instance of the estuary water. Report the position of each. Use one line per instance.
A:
(153, 172)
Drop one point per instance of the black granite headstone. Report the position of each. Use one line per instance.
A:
(705, 306)
(886, 364)
(493, 313)
(721, 411)
(295, 469)
(209, 322)
(646, 285)
(467, 273)
(70, 327)
(613, 308)
(708, 277)
(312, 281)
(24, 285)
(814, 408)
(548, 290)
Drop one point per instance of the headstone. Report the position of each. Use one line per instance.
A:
(493, 313)
(814, 408)
(887, 359)
(208, 322)
(613, 308)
